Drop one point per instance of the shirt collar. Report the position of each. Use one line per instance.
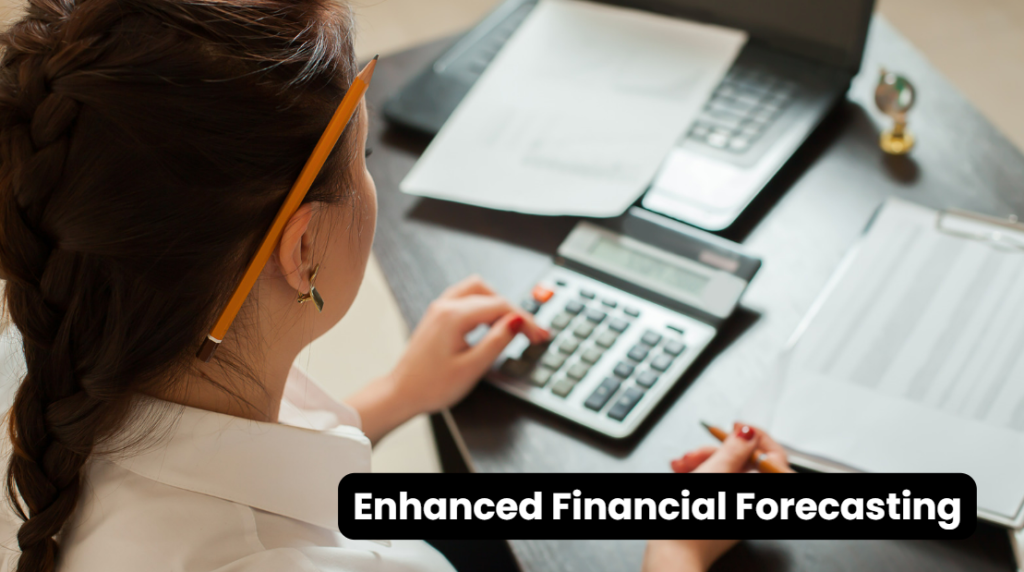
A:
(286, 470)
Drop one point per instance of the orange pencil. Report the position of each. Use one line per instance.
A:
(759, 459)
(341, 118)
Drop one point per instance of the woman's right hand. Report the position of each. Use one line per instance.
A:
(733, 456)
(439, 367)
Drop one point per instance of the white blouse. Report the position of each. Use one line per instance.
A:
(225, 494)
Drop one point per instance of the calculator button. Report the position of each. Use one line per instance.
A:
(530, 306)
(596, 316)
(610, 303)
(533, 352)
(661, 362)
(718, 139)
(561, 321)
(602, 394)
(578, 371)
(739, 144)
(515, 367)
(574, 307)
(592, 355)
(625, 404)
(588, 294)
(568, 345)
(542, 294)
(552, 360)
(623, 369)
(638, 352)
(618, 325)
(651, 338)
(563, 386)
(561, 282)
(584, 330)
(606, 339)
(674, 348)
(541, 376)
(630, 311)
(647, 379)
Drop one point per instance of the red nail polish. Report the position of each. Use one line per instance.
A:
(677, 466)
(745, 432)
(515, 324)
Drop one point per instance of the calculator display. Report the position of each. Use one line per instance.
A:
(649, 267)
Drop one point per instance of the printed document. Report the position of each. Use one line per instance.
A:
(577, 111)
(913, 361)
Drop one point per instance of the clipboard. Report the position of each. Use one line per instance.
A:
(1005, 235)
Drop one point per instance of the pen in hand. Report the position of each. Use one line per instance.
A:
(759, 459)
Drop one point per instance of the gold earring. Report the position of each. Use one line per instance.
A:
(313, 294)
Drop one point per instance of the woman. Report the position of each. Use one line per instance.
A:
(145, 146)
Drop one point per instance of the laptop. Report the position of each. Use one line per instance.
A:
(798, 63)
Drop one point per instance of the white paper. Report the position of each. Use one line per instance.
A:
(576, 113)
(915, 361)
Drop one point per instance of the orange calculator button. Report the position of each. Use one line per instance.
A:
(542, 294)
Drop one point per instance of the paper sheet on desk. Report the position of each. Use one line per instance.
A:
(915, 360)
(576, 113)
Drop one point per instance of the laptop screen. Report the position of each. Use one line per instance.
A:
(830, 31)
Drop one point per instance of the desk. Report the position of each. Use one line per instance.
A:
(801, 227)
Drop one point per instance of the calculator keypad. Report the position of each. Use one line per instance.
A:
(603, 393)
(647, 379)
(651, 338)
(638, 352)
(623, 369)
(592, 355)
(609, 352)
(584, 330)
(574, 307)
(563, 387)
(674, 348)
(607, 339)
(625, 404)
(661, 362)
(568, 345)
(552, 360)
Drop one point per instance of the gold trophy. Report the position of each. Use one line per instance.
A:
(894, 96)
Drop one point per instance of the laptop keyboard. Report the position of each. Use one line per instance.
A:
(741, 109)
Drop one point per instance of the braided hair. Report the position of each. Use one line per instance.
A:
(145, 146)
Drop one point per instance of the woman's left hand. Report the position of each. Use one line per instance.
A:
(729, 457)
(733, 456)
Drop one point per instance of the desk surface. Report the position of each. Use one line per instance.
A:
(801, 227)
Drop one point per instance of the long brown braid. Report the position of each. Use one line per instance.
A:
(145, 146)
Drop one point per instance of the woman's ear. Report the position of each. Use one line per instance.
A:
(295, 252)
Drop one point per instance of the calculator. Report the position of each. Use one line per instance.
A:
(631, 304)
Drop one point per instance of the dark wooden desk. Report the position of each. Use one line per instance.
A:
(801, 227)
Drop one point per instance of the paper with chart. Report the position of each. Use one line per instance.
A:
(914, 361)
(576, 113)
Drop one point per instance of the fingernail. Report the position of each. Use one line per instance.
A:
(547, 334)
(515, 324)
(745, 432)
